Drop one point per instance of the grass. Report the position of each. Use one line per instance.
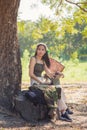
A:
(74, 71)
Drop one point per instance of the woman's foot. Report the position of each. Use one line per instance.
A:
(65, 117)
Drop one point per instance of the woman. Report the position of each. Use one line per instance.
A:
(39, 63)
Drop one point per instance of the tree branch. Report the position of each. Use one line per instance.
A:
(78, 4)
(61, 1)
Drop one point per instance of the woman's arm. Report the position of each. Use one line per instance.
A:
(31, 69)
(52, 74)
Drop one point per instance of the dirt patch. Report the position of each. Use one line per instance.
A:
(77, 101)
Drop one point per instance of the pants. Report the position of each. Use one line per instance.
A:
(62, 101)
(52, 94)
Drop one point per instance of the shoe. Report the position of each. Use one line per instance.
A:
(65, 117)
(68, 111)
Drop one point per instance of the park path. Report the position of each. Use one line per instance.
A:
(77, 100)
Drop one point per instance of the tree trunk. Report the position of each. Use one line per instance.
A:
(10, 64)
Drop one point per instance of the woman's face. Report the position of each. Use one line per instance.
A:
(41, 50)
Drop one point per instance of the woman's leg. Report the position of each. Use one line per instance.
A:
(62, 107)
(50, 97)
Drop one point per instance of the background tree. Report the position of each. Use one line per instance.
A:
(10, 64)
(63, 37)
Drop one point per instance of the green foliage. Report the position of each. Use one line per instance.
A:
(60, 5)
(21, 26)
(74, 55)
(69, 26)
(84, 32)
(25, 66)
(36, 34)
(75, 71)
(25, 36)
(65, 39)
(83, 52)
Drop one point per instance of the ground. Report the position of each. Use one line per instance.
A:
(77, 100)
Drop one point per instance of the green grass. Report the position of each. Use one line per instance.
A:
(74, 71)
(25, 72)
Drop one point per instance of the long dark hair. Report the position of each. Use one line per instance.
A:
(45, 57)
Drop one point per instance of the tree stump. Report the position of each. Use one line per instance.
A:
(28, 110)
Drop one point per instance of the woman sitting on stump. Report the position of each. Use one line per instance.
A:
(38, 63)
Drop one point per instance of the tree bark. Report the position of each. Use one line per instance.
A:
(10, 63)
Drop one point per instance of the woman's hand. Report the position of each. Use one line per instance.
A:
(59, 75)
(51, 75)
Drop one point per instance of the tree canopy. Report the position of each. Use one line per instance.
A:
(60, 4)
